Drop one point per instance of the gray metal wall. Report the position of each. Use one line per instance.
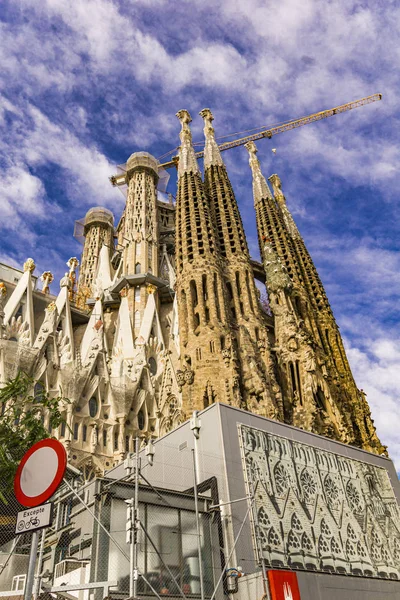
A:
(313, 586)
(219, 455)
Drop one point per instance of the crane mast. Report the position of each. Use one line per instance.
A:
(119, 179)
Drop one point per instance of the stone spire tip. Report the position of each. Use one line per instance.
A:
(206, 114)
(212, 155)
(184, 117)
(251, 148)
(277, 187)
(187, 157)
(260, 186)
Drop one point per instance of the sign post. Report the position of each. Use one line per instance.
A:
(38, 476)
(31, 566)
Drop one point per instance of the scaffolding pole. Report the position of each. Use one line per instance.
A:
(196, 507)
(135, 523)
(232, 550)
(259, 548)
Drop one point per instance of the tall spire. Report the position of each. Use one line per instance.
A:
(212, 155)
(224, 209)
(269, 220)
(98, 231)
(283, 208)
(326, 333)
(204, 329)
(187, 157)
(249, 327)
(139, 233)
(314, 369)
(260, 186)
(195, 236)
(312, 281)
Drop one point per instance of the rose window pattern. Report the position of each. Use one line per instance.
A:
(282, 480)
(312, 509)
(309, 485)
(354, 498)
(331, 490)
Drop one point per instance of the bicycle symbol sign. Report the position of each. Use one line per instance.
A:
(34, 518)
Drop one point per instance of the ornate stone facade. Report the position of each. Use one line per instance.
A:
(319, 391)
(165, 318)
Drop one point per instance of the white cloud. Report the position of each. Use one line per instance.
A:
(38, 141)
(378, 373)
(369, 270)
(21, 193)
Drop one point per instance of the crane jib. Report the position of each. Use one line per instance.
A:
(268, 133)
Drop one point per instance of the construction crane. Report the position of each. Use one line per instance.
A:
(120, 179)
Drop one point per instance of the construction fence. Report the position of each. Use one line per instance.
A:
(123, 536)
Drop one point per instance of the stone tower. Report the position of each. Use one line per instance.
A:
(258, 386)
(318, 388)
(210, 370)
(138, 231)
(98, 231)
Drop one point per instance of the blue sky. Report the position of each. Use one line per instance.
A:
(84, 84)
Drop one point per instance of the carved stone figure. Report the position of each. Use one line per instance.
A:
(47, 277)
(29, 265)
(94, 437)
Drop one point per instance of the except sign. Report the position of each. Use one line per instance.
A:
(34, 518)
(40, 472)
(283, 585)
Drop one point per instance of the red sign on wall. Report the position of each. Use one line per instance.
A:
(283, 585)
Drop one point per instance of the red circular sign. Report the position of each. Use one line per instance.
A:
(40, 472)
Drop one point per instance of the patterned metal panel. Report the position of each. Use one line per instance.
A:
(319, 511)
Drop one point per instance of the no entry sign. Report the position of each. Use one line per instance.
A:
(40, 472)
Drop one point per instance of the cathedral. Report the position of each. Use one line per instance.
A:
(161, 316)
